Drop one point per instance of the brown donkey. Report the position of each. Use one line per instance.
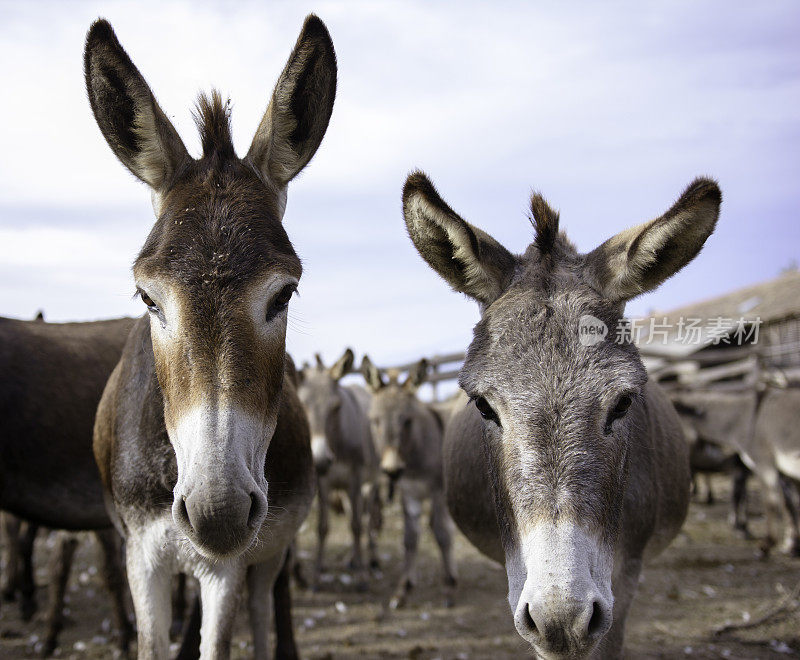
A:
(570, 468)
(51, 379)
(201, 440)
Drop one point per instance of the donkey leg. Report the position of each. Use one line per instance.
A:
(10, 524)
(295, 567)
(220, 589)
(150, 579)
(27, 584)
(442, 527)
(709, 489)
(260, 579)
(323, 494)
(739, 501)
(375, 524)
(791, 544)
(412, 511)
(773, 502)
(59, 569)
(117, 584)
(356, 563)
(285, 645)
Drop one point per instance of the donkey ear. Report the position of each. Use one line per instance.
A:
(136, 129)
(343, 365)
(639, 259)
(298, 114)
(417, 375)
(469, 259)
(371, 374)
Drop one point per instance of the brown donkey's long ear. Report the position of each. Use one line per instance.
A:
(371, 374)
(639, 259)
(136, 129)
(298, 114)
(343, 365)
(469, 259)
(417, 375)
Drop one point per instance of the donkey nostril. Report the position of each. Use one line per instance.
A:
(596, 621)
(183, 513)
(256, 510)
(528, 621)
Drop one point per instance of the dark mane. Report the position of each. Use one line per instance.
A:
(545, 221)
(213, 119)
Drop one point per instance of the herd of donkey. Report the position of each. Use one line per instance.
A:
(191, 445)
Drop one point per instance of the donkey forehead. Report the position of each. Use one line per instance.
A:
(318, 384)
(218, 222)
(530, 344)
(391, 400)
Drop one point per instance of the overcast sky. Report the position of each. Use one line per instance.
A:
(610, 109)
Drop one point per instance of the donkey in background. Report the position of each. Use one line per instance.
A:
(344, 455)
(761, 427)
(408, 436)
(201, 440)
(708, 456)
(570, 468)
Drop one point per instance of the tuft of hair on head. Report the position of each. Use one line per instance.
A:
(213, 119)
(545, 221)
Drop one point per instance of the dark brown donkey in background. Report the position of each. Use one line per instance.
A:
(570, 468)
(52, 377)
(202, 443)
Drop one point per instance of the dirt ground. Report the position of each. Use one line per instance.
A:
(708, 577)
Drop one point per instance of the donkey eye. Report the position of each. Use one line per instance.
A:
(281, 301)
(147, 300)
(619, 410)
(486, 411)
(622, 405)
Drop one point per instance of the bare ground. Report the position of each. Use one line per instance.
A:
(706, 578)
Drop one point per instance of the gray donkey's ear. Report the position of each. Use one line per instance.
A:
(343, 365)
(417, 375)
(133, 124)
(469, 259)
(371, 374)
(298, 113)
(637, 260)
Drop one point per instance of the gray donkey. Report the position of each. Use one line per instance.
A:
(761, 426)
(408, 435)
(343, 452)
(570, 468)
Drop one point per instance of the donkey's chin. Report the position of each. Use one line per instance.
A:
(569, 655)
(224, 531)
(226, 545)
